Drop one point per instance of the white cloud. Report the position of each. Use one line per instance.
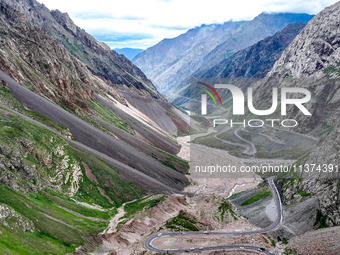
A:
(136, 23)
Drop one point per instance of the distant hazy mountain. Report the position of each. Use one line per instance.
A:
(252, 62)
(258, 59)
(130, 53)
(172, 61)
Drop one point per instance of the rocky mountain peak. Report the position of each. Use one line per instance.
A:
(115, 69)
(311, 61)
(64, 75)
(316, 47)
(67, 23)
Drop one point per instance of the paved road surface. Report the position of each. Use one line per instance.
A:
(249, 148)
(148, 242)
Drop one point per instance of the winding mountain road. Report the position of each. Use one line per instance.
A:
(148, 242)
(249, 147)
(250, 150)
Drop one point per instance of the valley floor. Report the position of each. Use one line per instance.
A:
(202, 202)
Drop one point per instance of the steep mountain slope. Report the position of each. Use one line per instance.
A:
(37, 61)
(312, 61)
(29, 54)
(171, 62)
(113, 69)
(99, 141)
(44, 66)
(42, 181)
(257, 60)
(262, 26)
(117, 70)
(73, 146)
(179, 57)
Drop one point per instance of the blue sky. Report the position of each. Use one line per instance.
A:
(143, 23)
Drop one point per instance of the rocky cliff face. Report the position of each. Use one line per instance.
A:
(170, 63)
(312, 61)
(256, 60)
(117, 70)
(326, 185)
(39, 62)
(315, 48)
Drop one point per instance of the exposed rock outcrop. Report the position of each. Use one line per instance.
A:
(13, 220)
(39, 62)
(117, 70)
(311, 61)
(316, 47)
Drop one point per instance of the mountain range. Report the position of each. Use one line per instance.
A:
(89, 146)
(252, 62)
(171, 62)
(255, 61)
